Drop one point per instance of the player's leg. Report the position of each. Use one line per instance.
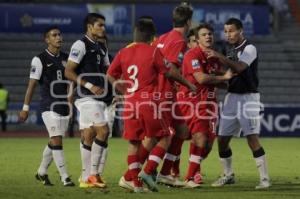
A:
(250, 123)
(56, 126)
(229, 126)
(42, 173)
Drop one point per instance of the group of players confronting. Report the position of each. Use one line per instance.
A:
(168, 94)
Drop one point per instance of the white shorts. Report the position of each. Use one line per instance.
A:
(91, 112)
(56, 124)
(240, 112)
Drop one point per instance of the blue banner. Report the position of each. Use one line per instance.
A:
(32, 18)
(281, 121)
(255, 18)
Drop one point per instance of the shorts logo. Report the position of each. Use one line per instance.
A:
(195, 64)
(97, 115)
(53, 128)
(75, 52)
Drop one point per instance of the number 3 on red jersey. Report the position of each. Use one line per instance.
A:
(132, 72)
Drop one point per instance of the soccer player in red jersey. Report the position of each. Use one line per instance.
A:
(171, 47)
(138, 69)
(200, 108)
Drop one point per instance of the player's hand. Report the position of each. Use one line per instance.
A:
(229, 74)
(97, 90)
(23, 115)
(212, 54)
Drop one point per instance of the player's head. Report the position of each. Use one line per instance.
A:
(205, 35)
(182, 16)
(94, 25)
(53, 37)
(233, 30)
(144, 30)
(191, 36)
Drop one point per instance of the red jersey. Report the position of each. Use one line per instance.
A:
(135, 64)
(170, 48)
(195, 61)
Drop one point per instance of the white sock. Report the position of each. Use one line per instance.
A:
(227, 165)
(261, 163)
(59, 159)
(46, 161)
(85, 152)
(97, 148)
(102, 161)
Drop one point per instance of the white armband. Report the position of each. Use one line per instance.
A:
(88, 85)
(25, 107)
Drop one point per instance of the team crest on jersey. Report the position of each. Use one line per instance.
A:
(195, 64)
(33, 69)
(180, 57)
(75, 52)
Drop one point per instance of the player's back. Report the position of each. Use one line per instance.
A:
(138, 68)
(170, 48)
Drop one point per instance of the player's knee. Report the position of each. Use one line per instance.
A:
(56, 140)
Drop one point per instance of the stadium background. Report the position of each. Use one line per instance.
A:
(272, 25)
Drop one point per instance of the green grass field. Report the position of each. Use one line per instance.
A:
(20, 157)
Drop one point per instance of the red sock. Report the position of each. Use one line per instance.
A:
(194, 162)
(173, 151)
(154, 159)
(134, 168)
(143, 154)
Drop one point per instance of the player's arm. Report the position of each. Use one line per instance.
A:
(114, 73)
(76, 55)
(203, 78)
(35, 75)
(174, 74)
(23, 115)
(246, 58)
(118, 86)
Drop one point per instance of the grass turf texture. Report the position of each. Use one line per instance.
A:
(20, 158)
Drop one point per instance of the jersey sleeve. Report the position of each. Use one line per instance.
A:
(115, 68)
(192, 63)
(36, 68)
(77, 51)
(174, 54)
(248, 55)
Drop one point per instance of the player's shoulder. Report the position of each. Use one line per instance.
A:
(79, 44)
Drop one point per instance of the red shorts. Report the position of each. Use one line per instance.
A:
(199, 121)
(144, 121)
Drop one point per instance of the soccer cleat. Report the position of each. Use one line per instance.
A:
(263, 184)
(141, 190)
(191, 184)
(44, 179)
(223, 180)
(178, 182)
(96, 181)
(126, 184)
(165, 179)
(68, 182)
(148, 181)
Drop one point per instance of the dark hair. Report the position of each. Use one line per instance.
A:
(91, 18)
(234, 21)
(191, 32)
(48, 29)
(181, 15)
(145, 30)
(201, 26)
